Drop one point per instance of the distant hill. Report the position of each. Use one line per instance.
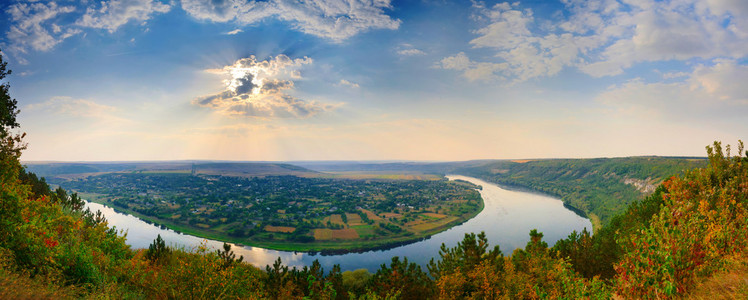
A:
(439, 168)
(64, 171)
(251, 169)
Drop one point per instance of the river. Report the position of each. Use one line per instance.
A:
(507, 219)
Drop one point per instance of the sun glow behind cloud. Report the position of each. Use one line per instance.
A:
(261, 89)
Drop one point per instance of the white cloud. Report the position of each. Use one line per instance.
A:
(410, 52)
(233, 32)
(604, 38)
(113, 14)
(216, 11)
(260, 89)
(333, 19)
(725, 81)
(473, 71)
(77, 108)
(672, 75)
(41, 26)
(716, 92)
(32, 26)
(347, 83)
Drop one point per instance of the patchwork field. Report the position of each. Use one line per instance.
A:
(285, 229)
(344, 234)
(388, 215)
(431, 225)
(434, 215)
(335, 234)
(322, 234)
(364, 231)
(335, 219)
(372, 216)
(354, 219)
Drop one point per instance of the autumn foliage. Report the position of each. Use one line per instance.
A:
(701, 224)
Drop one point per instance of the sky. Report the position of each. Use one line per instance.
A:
(283, 80)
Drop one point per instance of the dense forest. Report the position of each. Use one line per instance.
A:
(688, 238)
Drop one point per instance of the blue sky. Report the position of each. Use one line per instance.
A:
(376, 80)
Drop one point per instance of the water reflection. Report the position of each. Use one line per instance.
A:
(507, 219)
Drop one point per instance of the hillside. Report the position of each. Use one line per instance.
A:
(600, 188)
(56, 172)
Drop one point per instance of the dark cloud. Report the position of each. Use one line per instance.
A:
(274, 86)
(245, 84)
(278, 106)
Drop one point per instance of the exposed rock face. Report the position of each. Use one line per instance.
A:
(645, 186)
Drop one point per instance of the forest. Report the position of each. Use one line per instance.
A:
(686, 239)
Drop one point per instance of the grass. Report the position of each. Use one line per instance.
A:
(18, 286)
(364, 231)
(732, 283)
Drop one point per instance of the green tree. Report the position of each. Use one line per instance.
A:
(227, 256)
(157, 250)
(403, 278)
(11, 194)
(465, 256)
(454, 272)
(39, 186)
(356, 281)
(8, 106)
(11, 144)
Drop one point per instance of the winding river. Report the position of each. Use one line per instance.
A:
(507, 219)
